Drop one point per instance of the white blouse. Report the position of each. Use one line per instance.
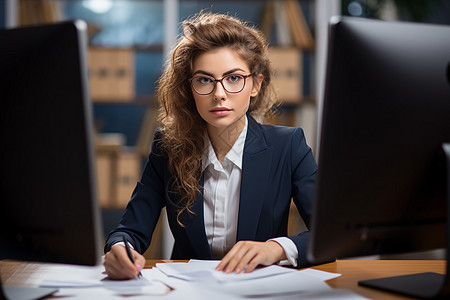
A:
(221, 193)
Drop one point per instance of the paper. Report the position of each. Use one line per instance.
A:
(199, 280)
(204, 270)
(320, 274)
(81, 281)
(193, 280)
(157, 289)
(55, 275)
(286, 284)
(283, 287)
(157, 275)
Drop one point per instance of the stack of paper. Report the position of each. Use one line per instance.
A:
(85, 282)
(199, 278)
(195, 279)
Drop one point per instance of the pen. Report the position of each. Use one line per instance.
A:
(130, 256)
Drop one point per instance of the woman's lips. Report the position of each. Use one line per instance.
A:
(220, 111)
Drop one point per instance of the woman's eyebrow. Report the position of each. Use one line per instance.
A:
(232, 71)
(203, 72)
(209, 74)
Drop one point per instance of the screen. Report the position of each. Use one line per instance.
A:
(48, 206)
(381, 185)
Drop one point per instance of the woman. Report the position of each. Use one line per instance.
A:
(225, 179)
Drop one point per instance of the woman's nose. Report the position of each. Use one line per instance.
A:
(219, 91)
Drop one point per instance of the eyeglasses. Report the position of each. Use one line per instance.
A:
(205, 85)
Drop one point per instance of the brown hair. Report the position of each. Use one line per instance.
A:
(182, 125)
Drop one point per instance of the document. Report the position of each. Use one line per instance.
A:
(84, 280)
(286, 284)
(199, 279)
(195, 279)
(196, 270)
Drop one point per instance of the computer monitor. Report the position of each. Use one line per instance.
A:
(383, 182)
(48, 208)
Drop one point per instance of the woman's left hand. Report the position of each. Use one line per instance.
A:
(247, 255)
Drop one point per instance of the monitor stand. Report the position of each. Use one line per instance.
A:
(10, 292)
(421, 285)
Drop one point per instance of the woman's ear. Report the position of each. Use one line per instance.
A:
(257, 81)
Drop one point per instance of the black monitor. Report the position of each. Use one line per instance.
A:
(383, 179)
(48, 207)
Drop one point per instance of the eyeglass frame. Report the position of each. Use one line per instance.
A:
(220, 80)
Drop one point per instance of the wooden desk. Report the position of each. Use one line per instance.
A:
(20, 273)
(355, 270)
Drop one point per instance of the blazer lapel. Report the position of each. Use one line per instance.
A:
(195, 227)
(255, 176)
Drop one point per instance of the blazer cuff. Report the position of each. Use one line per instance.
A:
(290, 249)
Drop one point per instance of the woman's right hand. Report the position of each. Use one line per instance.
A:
(118, 265)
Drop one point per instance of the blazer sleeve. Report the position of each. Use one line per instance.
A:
(143, 210)
(304, 169)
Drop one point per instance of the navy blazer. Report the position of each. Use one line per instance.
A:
(277, 166)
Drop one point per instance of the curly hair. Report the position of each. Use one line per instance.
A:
(182, 126)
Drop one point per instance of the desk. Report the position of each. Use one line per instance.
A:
(19, 273)
(355, 270)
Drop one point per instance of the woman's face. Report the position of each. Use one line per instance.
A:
(220, 108)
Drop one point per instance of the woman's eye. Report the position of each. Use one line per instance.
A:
(234, 78)
(204, 80)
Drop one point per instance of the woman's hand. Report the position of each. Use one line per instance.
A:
(247, 255)
(119, 266)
